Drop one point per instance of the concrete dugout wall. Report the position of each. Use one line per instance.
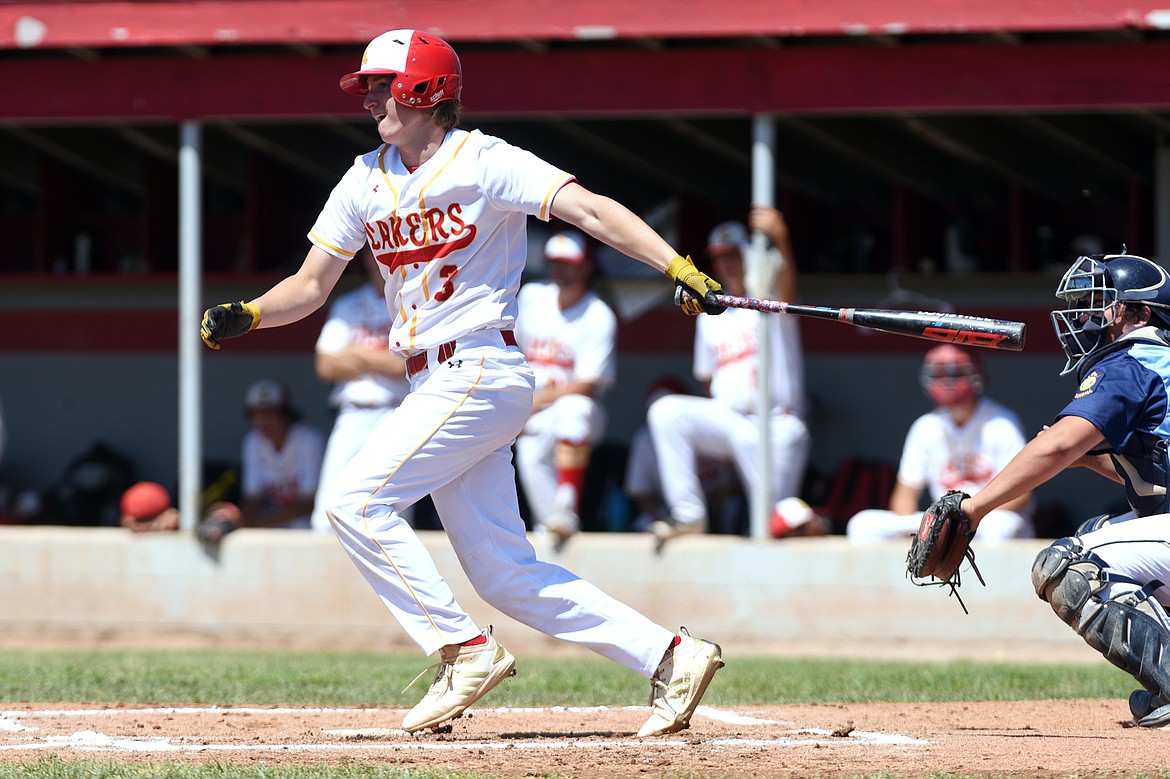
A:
(297, 589)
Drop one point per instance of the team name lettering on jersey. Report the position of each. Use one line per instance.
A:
(371, 337)
(420, 236)
(734, 351)
(962, 471)
(551, 352)
(285, 490)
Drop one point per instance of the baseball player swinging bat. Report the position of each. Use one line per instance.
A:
(934, 326)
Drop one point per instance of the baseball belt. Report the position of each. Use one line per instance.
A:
(419, 362)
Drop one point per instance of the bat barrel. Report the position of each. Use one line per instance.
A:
(957, 329)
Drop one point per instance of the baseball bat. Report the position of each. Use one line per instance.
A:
(957, 329)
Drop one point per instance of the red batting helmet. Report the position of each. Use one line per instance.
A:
(424, 68)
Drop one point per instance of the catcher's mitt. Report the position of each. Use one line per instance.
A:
(942, 544)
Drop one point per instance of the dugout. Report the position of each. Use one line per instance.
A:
(965, 150)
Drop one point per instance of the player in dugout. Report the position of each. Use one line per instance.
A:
(445, 211)
(568, 335)
(960, 444)
(727, 359)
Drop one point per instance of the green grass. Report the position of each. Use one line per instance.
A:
(369, 679)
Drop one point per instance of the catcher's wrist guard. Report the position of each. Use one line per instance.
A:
(941, 545)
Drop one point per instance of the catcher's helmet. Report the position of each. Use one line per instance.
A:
(1093, 286)
(425, 70)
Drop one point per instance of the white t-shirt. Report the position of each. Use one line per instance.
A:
(575, 344)
(450, 236)
(360, 317)
(727, 355)
(284, 476)
(939, 455)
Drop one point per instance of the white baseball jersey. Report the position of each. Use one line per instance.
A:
(574, 344)
(726, 354)
(285, 476)
(450, 236)
(360, 317)
(939, 455)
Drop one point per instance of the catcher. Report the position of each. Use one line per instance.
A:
(1106, 580)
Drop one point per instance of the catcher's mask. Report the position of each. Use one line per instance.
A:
(1093, 288)
(423, 68)
(950, 376)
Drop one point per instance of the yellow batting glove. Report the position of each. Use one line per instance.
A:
(228, 320)
(694, 290)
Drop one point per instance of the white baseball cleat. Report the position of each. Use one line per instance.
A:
(465, 674)
(561, 526)
(679, 682)
(665, 529)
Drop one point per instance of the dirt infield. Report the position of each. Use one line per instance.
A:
(1011, 739)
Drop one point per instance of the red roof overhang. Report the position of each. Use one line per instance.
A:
(710, 81)
(215, 22)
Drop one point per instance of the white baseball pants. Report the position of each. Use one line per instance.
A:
(350, 431)
(872, 525)
(452, 438)
(684, 426)
(577, 419)
(1138, 549)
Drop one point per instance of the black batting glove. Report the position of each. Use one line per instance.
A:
(228, 320)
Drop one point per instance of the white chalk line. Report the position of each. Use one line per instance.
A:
(89, 740)
(7, 717)
(178, 710)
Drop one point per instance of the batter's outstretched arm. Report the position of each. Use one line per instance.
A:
(612, 223)
(295, 297)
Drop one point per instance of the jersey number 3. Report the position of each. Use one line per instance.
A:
(447, 273)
